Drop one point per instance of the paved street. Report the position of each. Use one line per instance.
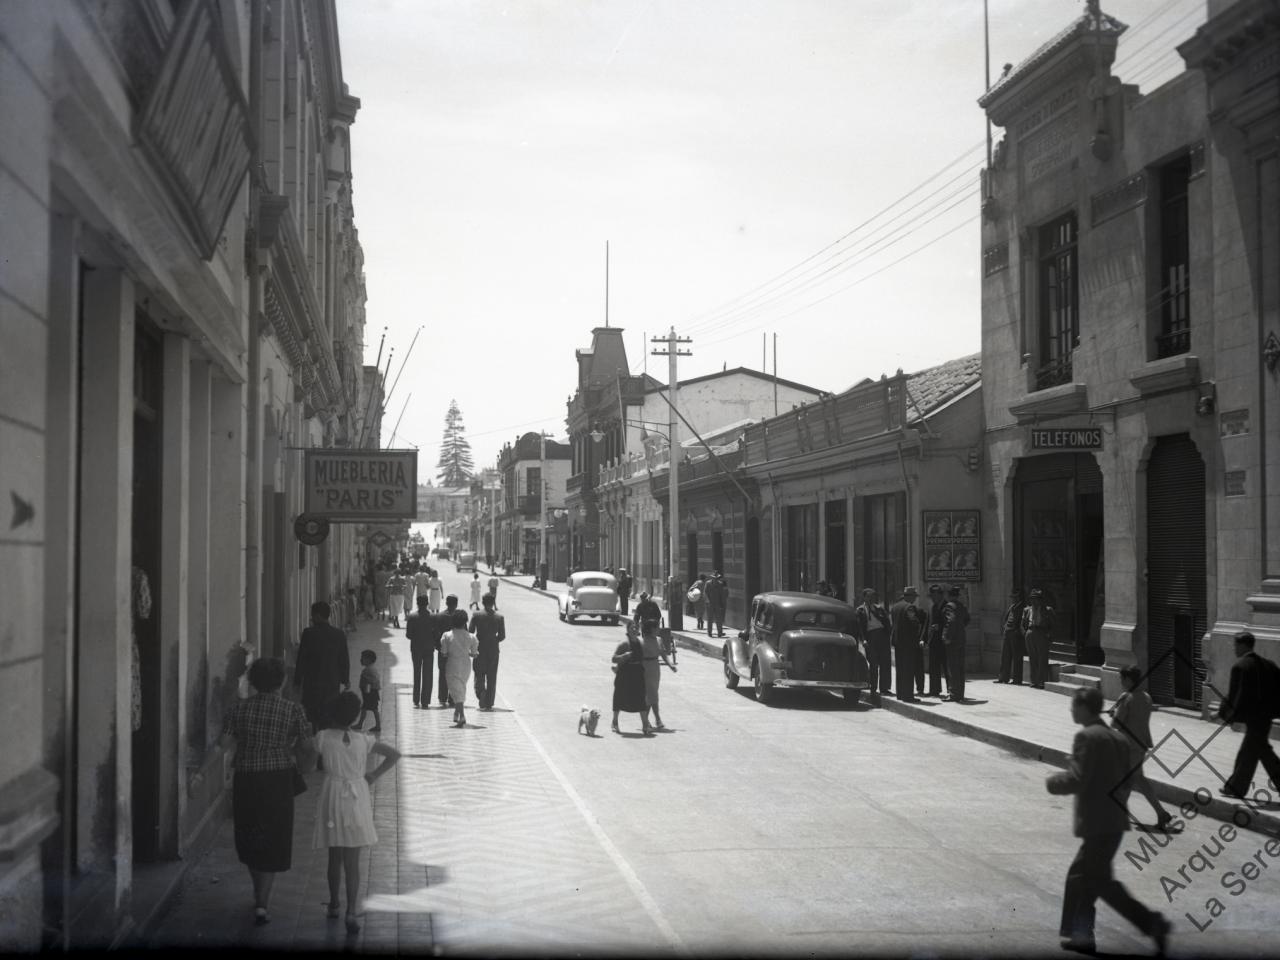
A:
(805, 826)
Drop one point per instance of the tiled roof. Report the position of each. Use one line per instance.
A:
(932, 387)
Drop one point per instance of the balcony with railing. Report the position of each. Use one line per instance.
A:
(1054, 373)
(1173, 342)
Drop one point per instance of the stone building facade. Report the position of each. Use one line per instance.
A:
(181, 306)
(1129, 260)
(854, 489)
(522, 469)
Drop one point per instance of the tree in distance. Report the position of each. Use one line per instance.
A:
(455, 466)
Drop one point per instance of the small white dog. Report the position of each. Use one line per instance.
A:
(588, 718)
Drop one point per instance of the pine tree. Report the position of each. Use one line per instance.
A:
(455, 464)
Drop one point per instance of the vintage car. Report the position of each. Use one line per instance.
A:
(466, 560)
(590, 593)
(797, 640)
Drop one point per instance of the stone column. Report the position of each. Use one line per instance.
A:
(104, 822)
(175, 507)
(226, 541)
(196, 673)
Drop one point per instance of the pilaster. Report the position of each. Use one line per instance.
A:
(104, 822)
(174, 558)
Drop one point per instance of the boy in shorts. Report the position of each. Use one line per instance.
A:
(370, 691)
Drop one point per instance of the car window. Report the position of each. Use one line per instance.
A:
(816, 618)
(765, 618)
(593, 582)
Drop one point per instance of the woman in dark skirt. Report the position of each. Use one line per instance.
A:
(266, 730)
(628, 683)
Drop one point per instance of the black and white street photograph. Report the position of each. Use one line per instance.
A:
(629, 478)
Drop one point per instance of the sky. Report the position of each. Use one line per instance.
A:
(805, 169)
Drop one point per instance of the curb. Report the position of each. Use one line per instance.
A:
(1218, 808)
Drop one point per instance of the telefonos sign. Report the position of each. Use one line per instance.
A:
(355, 485)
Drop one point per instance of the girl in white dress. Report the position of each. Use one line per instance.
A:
(344, 809)
(435, 589)
(459, 648)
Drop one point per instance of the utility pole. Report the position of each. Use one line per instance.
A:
(542, 508)
(675, 619)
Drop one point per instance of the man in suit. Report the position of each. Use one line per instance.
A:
(323, 667)
(1253, 699)
(716, 594)
(624, 590)
(490, 629)
(1037, 633)
(420, 630)
(934, 638)
(874, 630)
(1097, 774)
(441, 623)
(955, 620)
(906, 635)
(1011, 649)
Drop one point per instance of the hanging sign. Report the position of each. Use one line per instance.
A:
(310, 530)
(355, 485)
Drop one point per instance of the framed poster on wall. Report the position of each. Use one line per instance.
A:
(952, 545)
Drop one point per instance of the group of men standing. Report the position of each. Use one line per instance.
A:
(426, 627)
(907, 634)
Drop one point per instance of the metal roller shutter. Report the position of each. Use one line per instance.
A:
(1176, 570)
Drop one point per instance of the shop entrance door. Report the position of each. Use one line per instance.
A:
(1058, 547)
(834, 514)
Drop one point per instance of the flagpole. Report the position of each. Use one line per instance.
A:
(986, 55)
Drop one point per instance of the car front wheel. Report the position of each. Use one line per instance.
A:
(851, 694)
(764, 691)
(570, 618)
(731, 677)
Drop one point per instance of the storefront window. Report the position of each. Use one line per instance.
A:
(800, 563)
(884, 565)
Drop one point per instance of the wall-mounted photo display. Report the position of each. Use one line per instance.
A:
(952, 545)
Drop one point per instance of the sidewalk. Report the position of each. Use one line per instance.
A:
(213, 906)
(1191, 760)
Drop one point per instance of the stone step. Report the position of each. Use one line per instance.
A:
(1068, 683)
(1087, 669)
(1064, 651)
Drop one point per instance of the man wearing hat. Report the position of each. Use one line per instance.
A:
(934, 637)
(716, 594)
(1011, 648)
(907, 631)
(873, 630)
(624, 590)
(955, 621)
(1037, 630)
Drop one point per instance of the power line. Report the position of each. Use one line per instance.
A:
(856, 257)
(855, 283)
(750, 303)
(704, 317)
